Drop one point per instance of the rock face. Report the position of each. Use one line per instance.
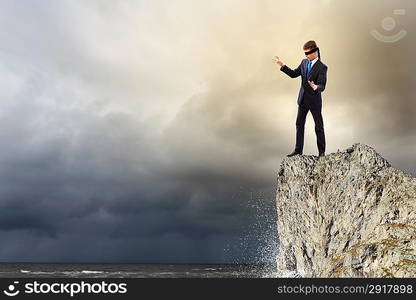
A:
(347, 214)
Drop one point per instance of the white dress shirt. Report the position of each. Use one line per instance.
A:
(314, 61)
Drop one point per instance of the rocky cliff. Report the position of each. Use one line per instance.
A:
(347, 214)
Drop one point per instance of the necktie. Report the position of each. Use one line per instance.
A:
(309, 66)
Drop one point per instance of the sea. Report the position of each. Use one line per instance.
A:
(62, 270)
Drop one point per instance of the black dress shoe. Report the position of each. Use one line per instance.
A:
(294, 153)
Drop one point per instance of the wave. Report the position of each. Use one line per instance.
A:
(92, 272)
(63, 272)
(36, 272)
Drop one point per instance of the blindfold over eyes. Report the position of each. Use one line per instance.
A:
(312, 51)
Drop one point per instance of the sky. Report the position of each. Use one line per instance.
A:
(152, 131)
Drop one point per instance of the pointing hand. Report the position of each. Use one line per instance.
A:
(278, 61)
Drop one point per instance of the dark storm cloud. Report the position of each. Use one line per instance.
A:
(91, 185)
(85, 180)
(107, 155)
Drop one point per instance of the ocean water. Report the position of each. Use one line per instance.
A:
(48, 270)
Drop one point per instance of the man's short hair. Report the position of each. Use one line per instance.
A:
(309, 44)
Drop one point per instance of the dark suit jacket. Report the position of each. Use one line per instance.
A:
(307, 96)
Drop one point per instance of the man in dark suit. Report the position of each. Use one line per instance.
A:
(313, 73)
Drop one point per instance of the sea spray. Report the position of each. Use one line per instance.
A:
(258, 243)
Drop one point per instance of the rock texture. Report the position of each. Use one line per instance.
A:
(347, 214)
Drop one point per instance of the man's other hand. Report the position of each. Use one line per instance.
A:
(313, 85)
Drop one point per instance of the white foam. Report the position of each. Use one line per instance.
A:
(91, 272)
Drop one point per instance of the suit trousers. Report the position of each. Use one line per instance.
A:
(300, 127)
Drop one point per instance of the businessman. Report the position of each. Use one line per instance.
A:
(313, 73)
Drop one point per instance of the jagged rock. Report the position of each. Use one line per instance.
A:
(347, 214)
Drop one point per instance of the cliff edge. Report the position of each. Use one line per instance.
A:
(347, 214)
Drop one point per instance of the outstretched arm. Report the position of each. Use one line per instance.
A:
(292, 73)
